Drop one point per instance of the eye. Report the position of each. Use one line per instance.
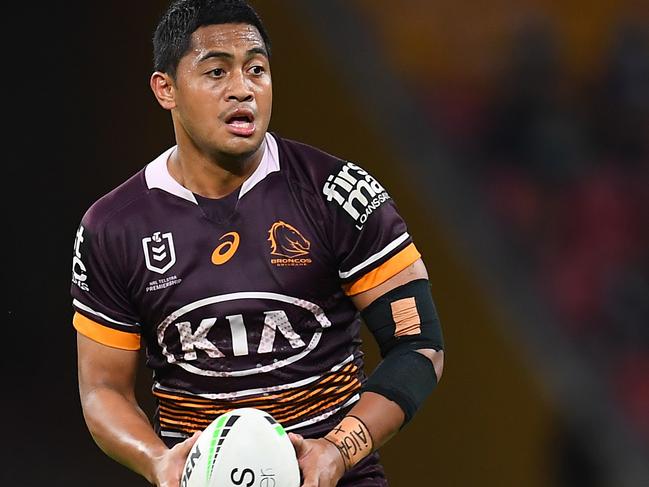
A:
(217, 72)
(257, 70)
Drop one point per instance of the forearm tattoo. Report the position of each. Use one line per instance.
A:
(352, 439)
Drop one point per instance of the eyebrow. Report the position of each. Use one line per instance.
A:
(226, 55)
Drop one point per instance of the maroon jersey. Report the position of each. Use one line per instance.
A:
(241, 301)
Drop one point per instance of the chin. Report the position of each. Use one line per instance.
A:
(243, 146)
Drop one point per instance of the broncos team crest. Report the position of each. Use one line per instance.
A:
(288, 245)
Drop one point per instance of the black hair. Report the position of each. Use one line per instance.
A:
(172, 36)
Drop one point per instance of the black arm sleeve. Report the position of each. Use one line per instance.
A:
(405, 376)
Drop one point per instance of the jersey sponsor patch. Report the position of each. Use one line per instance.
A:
(356, 191)
(196, 334)
(79, 276)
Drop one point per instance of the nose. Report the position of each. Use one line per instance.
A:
(239, 89)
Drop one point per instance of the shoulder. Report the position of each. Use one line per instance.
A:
(122, 203)
(130, 199)
(341, 184)
(304, 161)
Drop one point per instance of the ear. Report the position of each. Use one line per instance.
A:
(163, 88)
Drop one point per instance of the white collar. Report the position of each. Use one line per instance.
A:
(157, 174)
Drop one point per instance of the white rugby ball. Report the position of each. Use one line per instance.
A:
(245, 447)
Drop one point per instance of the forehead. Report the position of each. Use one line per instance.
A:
(225, 38)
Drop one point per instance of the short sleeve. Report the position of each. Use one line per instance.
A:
(99, 293)
(370, 239)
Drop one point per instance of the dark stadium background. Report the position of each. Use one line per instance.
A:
(513, 136)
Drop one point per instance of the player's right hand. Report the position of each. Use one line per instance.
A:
(321, 463)
(168, 468)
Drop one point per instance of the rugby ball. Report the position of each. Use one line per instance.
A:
(245, 447)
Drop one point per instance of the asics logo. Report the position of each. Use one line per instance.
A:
(227, 249)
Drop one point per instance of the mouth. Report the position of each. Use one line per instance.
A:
(241, 122)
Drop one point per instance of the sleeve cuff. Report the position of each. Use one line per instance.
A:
(105, 335)
(385, 271)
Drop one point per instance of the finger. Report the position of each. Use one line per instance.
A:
(193, 439)
(187, 445)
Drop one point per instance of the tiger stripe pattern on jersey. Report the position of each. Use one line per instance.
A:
(185, 414)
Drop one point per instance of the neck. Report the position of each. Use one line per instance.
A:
(212, 175)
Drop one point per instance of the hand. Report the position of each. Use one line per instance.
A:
(320, 461)
(168, 468)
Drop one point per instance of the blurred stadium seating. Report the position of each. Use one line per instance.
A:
(546, 105)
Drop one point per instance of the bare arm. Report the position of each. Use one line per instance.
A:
(115, 420)
(321, 462)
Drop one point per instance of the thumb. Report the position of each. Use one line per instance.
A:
(187, 445)
(298, 443)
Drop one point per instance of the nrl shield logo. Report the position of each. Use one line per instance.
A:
(159, 252)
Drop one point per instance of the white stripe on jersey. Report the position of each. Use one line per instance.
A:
(173, 434)
(386, 250)
(317, 419)
(82, 306)
(250, 392)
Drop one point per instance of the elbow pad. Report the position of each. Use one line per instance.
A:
(404, 320)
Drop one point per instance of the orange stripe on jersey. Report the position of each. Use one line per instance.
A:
(347, 374)
(316, 394)
(207, 413)
(385, 271)
(184, 401)
(172, 415)
(321, 405)
(104, 335)
(190, 424)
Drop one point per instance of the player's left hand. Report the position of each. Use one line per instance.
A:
(320, 461)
